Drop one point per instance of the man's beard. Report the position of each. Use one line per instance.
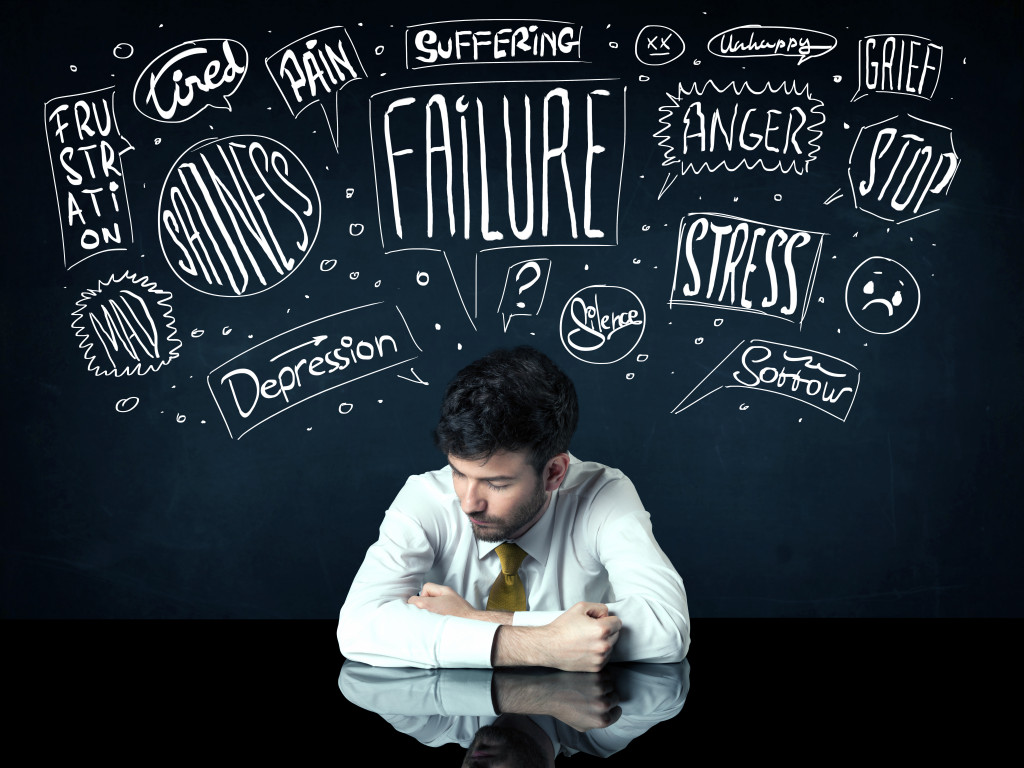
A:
(523, 514)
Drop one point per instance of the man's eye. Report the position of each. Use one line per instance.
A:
(494, 487)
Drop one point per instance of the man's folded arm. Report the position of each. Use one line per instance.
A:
(378, 626)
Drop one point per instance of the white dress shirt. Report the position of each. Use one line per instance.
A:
(593, 543)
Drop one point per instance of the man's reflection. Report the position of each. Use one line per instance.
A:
(519, 716)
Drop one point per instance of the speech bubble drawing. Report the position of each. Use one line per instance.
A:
(813, 378)
(525, 277)
(311, 69)
(183, 81)
(465, 168)
(907, 65)
(601, 324)
(900, 167)
(753, 40)
(657, 45)
(126, 326)
(491, 41)
(708, 128)
(82, 137)
(732, 263)
(237, 215)
(308, 361)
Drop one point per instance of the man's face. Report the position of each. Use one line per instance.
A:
(502, 496)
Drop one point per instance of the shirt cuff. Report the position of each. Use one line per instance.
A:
(466, 643)
(534, 618)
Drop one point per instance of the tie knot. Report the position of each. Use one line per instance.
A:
(511, 557)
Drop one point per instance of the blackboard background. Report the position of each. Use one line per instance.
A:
(909, 508)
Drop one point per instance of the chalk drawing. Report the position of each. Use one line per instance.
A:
(813, 378)
(708, 128)
(526, 284)
(491, 41)
(85, 147)
(906, 65)
(183, 81)
(126, 326)
(601, 324)
(293, 366)
(657, 45)
(237, 215)
(900, 168)
(733, 263)
(882, 296)
(314, 68)
(753, 40)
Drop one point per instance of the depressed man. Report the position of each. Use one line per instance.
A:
(515, 553)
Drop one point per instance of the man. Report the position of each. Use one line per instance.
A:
(516, 553)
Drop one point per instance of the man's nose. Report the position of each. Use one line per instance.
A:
(471, 500)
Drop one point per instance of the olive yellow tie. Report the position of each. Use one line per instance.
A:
(508, 593)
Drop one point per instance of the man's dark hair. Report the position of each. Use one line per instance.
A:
(509, 400)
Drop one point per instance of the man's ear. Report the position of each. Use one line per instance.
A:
(554, 471)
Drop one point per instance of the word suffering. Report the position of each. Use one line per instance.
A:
(487, 41)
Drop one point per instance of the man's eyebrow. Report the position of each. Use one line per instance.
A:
(503, 478)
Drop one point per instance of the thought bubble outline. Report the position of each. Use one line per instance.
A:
(545, 274)
(861, 91)
(87, 344)
(209, 142)
(803, 56)
(564, 336)
(217, 95)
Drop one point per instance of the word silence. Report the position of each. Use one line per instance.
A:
(774, 128)
(906, 65)
(237, 215)
(813, 378)
(308, 361)
(601, 324)
(85, 148)
(901, 167)
(754, 40)
(310, 70)
(183, 81)
(490, 41)
(126, 326)
(733, 263)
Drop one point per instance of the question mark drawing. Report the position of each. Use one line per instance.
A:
(528, 265)
(524, 275)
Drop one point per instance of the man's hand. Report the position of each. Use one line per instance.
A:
(580, 640)
(443, 600)
(582, 701)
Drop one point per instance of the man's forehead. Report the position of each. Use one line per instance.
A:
(500, 464)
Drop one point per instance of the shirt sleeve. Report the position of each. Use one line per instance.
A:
(377, 626)
(645, 591)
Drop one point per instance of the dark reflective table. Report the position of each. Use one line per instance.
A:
(139, 691)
